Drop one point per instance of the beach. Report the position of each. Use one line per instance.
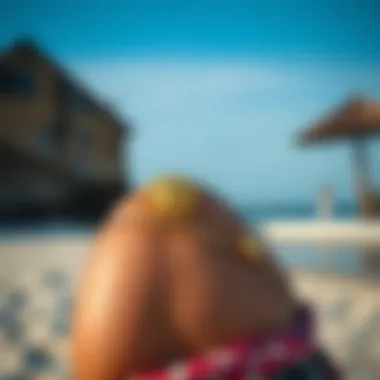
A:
(39, 274)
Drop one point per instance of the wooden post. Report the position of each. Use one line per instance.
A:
(361, 172)
(371, 256)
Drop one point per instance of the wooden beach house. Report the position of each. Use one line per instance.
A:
(61, 149)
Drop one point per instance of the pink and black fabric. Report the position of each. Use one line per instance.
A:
(283, 355)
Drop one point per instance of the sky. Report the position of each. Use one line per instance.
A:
(218, 89)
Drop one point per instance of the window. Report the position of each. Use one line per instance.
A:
(84, 169)
(84, 139)
(46, 142)
(14, 81)
(75, 99)
(82, 103)
(82, 158)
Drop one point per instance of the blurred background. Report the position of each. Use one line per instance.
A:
(275, 103)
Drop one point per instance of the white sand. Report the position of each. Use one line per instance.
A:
(348, 307)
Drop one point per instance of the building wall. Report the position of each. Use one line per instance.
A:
(25, 182)
(93, 146)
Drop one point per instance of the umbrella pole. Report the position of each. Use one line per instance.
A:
(370, 262)
(361, 172)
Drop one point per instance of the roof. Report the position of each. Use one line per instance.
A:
(356, 118)
(76, 84)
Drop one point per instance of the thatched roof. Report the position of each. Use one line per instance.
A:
(358, 117)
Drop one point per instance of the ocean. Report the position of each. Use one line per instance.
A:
(294, 257)
(259, 213)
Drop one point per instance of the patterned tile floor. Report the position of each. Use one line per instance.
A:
(34, 323)
(36, 300)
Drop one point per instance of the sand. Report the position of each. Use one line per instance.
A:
(38, 277)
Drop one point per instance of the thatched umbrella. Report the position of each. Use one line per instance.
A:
(355, 121)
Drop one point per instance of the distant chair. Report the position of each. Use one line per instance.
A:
(325, 203)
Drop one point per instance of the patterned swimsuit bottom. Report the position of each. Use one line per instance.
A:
(283, 355)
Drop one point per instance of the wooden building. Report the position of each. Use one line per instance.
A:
(61, 149)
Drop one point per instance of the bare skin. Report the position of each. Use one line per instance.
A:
(155, 290)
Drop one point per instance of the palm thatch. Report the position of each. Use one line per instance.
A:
(356, 118)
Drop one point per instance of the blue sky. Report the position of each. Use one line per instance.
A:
(218, 89)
